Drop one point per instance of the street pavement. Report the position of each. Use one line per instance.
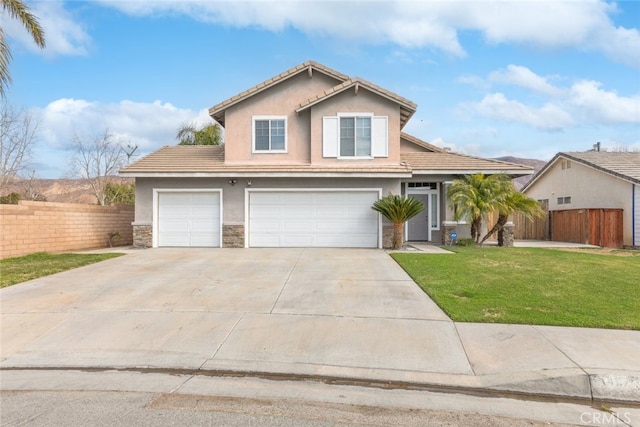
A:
(345, 316)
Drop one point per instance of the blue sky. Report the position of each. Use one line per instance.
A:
(491, 78)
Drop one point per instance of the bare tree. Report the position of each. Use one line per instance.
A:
(32, 189)
(96, 159)
(624, 148)
(18, 132)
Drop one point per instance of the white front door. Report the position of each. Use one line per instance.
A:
(302, 218)
(188, 219)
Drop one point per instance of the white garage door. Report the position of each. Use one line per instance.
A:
(189, 219)
(313, 219)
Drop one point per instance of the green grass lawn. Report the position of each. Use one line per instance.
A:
(531, 286)
(21, 269)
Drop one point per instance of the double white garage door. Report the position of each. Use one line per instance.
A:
(274, 219)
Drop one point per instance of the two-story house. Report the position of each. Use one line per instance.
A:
(306, 154)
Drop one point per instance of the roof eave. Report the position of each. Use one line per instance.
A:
(236, 174)
(512, 172)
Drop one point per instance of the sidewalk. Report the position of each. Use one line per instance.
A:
(347, 317)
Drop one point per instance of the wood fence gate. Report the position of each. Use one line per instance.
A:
(600, 227)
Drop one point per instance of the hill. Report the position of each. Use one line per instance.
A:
(534, 163)
(57, 190)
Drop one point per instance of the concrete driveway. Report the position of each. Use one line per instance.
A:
(303, 310)
(346, 313)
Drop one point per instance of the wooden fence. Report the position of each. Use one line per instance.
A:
(600, 227)
(525, 228)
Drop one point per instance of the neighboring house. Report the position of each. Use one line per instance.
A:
(306, 154)
(593, 180)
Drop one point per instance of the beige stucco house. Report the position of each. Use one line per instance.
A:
(306, 154)
(592, 180)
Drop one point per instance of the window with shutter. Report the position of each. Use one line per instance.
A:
(358, 135)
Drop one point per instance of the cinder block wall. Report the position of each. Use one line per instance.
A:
(30, 227)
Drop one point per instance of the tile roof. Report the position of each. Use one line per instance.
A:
(407, 107)
(453, 163)
(209, 160)
(217, 111)
(623, 165)
(421, 143)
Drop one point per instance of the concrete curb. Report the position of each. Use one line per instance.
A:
(566, 385)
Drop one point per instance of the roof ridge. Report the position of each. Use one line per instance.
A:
(273, 81)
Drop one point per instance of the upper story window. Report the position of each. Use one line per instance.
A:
(355, 136)
(269, 134)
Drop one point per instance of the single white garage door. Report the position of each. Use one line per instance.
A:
(313, 219)
(189, 219)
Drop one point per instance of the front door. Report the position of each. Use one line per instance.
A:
(418, 226)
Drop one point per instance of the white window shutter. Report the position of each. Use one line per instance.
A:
(379, 137)
(330, 137)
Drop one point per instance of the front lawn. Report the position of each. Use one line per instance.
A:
(21, 269)
(531, 286)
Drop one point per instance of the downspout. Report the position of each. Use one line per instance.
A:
(633, 215)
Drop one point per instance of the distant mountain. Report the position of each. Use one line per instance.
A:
(57, 190)
(534, 163)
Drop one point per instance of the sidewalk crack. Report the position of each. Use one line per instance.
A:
(286, 281)
(455, 327)
(223, 341)
(535, 328)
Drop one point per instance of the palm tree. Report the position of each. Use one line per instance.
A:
(210, 134)
(474, 196)
(17, 10)
(398, 209)
(514, 201)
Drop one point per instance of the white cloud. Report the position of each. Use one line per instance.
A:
(604, 106)
(584, 102)
(63, 34)
(468, 149)
(584, 25)
(524, 77)
(549, 117)
(148, 125)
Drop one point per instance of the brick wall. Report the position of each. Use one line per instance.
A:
(57, 227)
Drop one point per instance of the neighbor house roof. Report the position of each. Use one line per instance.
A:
(452, 163)
(623, 165)
(217, 111)
(407, 108)
(207, 160)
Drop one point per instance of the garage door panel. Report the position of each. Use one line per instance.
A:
(170, 226)
(174, 239)
(331, 211)
(296, 240)
(297, 226)
(266, 226)
(308, 219)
